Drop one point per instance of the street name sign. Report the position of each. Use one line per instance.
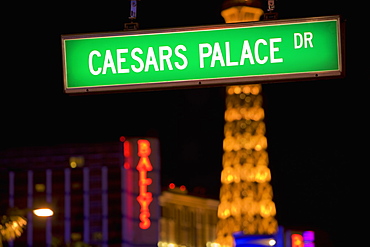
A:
(253, 52)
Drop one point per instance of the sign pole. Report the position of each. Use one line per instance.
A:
(131, 26)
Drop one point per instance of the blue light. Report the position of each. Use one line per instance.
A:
(276, 240)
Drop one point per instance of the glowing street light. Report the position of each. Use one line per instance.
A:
(272, 242)
(43, 212)
(12, 224)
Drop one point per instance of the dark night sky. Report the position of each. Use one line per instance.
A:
(311, 126)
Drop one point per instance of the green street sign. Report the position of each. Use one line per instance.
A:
(254, 52)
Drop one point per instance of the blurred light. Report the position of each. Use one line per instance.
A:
(127, 153)
(76, 236)
(73, 164)
(237, 90)
(272, 242)
(246, 89)
(297, 240)
(245, 13)
(182, 188)
(255, 90)
(172, 186)
(241, 11)
(210, 244)
(165, 244)
(126, 165)
(40, 187)
(76, 161)
(43, 212)
(309, 236)
(230, 178)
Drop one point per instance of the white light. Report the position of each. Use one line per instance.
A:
(210, 244)
(43, 212)
(272, 242)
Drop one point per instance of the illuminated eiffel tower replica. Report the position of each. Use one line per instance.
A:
(246, 195)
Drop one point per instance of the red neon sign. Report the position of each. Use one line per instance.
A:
(127, 153)
(297, 240)
(303, 239)
(145, 197)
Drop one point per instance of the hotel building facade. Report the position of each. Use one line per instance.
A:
(102, 194)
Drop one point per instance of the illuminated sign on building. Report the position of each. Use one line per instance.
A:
(210, 55)
(297, 240)
(127, 153)
(145, 197)
(302, 239)
(140, 169)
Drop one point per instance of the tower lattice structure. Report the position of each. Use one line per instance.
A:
(246, 193)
